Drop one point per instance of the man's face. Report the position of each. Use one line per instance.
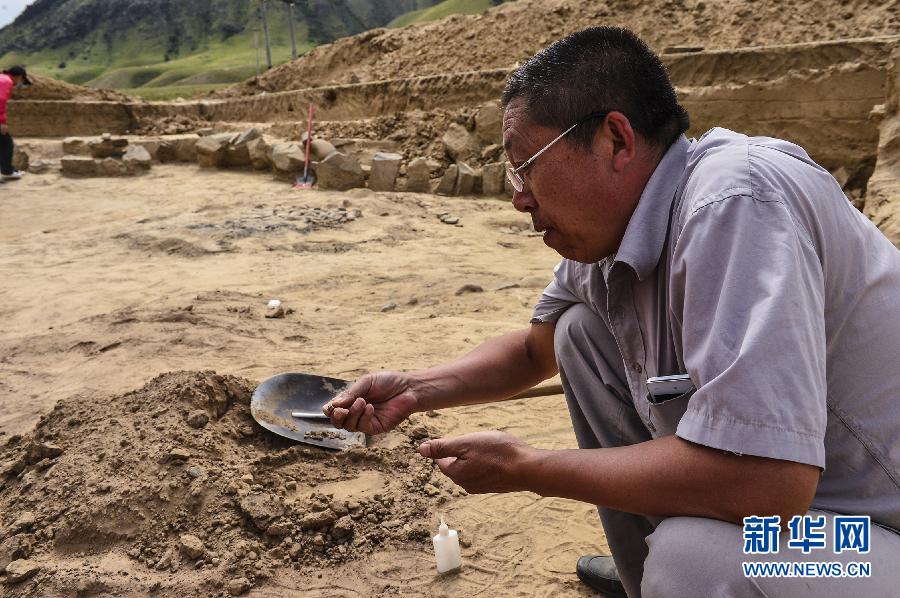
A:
(572, 194)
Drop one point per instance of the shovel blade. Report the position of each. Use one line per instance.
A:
(275, 398)
(305, 181)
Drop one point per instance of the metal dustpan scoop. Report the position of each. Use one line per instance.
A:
(275, 400)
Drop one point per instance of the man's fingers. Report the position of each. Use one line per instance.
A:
(365, 420)
(356, 410)
(338, 416)
(343, 399)
(446, 466)
(439, 448)
(346, 397)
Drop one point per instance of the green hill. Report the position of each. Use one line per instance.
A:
(165, 48)
(443, 9)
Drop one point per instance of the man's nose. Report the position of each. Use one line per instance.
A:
(523, 201)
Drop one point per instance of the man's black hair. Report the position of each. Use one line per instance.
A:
(600, 69)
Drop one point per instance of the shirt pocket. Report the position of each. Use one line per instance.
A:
(663, 418)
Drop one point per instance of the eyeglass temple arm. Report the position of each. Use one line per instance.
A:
(544, 149)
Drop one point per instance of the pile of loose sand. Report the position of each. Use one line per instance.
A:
(178, 477)
(514, 31)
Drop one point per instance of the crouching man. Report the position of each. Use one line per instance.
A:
(734, 260)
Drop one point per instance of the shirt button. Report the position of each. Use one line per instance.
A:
(636, 368)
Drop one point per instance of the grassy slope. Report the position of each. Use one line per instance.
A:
(137, 66)
(439, 11)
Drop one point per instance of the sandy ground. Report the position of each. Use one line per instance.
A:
(108, 282)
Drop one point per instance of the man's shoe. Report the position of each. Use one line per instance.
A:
(14, 175)
(599, 573)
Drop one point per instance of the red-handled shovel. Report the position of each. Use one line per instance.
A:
(308, 178)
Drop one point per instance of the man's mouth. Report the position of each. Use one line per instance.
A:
(542, 228)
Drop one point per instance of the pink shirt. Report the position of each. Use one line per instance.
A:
(6, 89)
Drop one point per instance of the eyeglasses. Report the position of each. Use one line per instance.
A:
(516, 180)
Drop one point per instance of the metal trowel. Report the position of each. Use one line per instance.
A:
(276, 399)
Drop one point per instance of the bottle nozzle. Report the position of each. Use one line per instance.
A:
(443, 529)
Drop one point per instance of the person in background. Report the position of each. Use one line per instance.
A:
(9, 80)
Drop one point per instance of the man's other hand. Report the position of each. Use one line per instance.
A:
(480, 462)
(374, 404)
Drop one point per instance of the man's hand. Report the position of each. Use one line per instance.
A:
(480, 462)
(374, 404)
(4, 129)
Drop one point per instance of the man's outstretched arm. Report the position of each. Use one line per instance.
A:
(664, 477)
(495, 370)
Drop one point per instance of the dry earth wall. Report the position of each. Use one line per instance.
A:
(61, 118)
(883, 198)
(819, 95)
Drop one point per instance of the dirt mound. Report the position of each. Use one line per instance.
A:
(180, 484)
(47, 88)
(514, 31)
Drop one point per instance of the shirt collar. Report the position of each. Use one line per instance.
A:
(645, 234)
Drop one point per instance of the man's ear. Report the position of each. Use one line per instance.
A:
(618, 129)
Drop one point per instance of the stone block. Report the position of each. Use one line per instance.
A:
(489, 123)
(418, 176)
(238, 152)
(151, 145)
(287, 158)
(111, 167)
(237, 155)
(137, 158)
(75, 146)
(246, 137)
(320, 148)
(339, 172)
(107, 147)
(492, 176)
(19, 571)
(185, 148)
(20, 158)
(78, 166)
(447, 185)
(385, 167)
(459, 143)
(466, 178)
(258, 149)
(212, 150)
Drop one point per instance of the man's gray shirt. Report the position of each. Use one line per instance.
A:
(745, 266)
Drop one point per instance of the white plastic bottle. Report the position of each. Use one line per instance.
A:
(446, 549)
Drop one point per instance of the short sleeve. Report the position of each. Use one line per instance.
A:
(559, 295)
(747, 291)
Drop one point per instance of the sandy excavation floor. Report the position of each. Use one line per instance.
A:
(108, 283)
